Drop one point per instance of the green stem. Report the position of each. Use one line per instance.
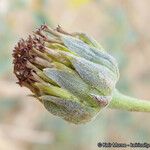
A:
(123, 102)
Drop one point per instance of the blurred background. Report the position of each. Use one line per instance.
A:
(122, 27)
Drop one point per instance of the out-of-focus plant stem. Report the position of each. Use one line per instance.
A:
(123, 102)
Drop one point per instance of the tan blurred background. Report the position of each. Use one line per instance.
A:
(122, 27)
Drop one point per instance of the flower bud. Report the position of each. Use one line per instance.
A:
(70, 73)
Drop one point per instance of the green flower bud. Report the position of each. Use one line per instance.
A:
(71, 74)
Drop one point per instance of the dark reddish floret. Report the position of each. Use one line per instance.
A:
(22, 54)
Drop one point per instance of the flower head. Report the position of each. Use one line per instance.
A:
(70, 73)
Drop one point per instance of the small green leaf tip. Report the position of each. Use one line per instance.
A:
(70, 73)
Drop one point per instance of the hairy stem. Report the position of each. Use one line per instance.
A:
(123, 102)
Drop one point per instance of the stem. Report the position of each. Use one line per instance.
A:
(123, 102)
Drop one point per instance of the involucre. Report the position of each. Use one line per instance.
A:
(70, 73)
